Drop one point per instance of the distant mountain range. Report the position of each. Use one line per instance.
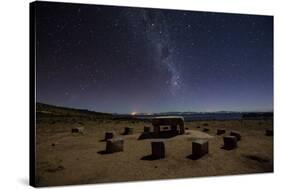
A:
(186, 113)
(45, 110)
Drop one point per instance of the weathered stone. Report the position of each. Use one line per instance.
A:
(200, 148)
(109, 135)
(236, 134)
(172, 121)
(181, 129)
(206, 130)
(269, 132)
(230, 142)
(114, 145)
(158, 149)
(128, 130)
(156, 129)
(167, 128)
(78, 130)
(146, 129)
(220, 131)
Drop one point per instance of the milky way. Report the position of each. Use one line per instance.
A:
(156, 33)
(120, 59)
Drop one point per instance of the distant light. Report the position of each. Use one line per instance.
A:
(134, 113)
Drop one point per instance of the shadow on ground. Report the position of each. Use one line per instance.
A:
(192, 157)
(257, 158)
(228, 148)
(162, 134)
(150, 158)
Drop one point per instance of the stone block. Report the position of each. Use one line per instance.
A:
(236, 134)
(200, 148)
(206, 130)
(109, 135)
(146, 129)
(269, 132)
(114, 145)
(128, 130)
(220, 131)
(78, 130)
(158, 149)
(230, 142)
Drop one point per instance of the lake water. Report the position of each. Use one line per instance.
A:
(202, 116)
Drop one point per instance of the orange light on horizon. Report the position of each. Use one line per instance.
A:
(134, 113)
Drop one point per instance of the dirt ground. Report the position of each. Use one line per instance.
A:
(65, 158)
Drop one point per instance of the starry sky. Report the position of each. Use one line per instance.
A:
(123, 60)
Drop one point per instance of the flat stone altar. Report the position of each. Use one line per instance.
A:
(176, 124)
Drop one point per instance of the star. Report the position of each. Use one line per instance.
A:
(113, 59)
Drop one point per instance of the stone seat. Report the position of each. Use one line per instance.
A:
(200, 148)
(236, 134)
(230, 142)
(220, 131)
(109, 135)
(114, 145)
(128, 130)
(78, 130)
(269, 132)
(158, 149)
(146, 129)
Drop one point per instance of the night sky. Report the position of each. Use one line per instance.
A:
(123, 60)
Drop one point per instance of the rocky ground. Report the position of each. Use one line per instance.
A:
(66, 158)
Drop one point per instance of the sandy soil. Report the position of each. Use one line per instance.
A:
(64, 158)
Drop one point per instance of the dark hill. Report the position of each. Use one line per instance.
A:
(46, 110)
